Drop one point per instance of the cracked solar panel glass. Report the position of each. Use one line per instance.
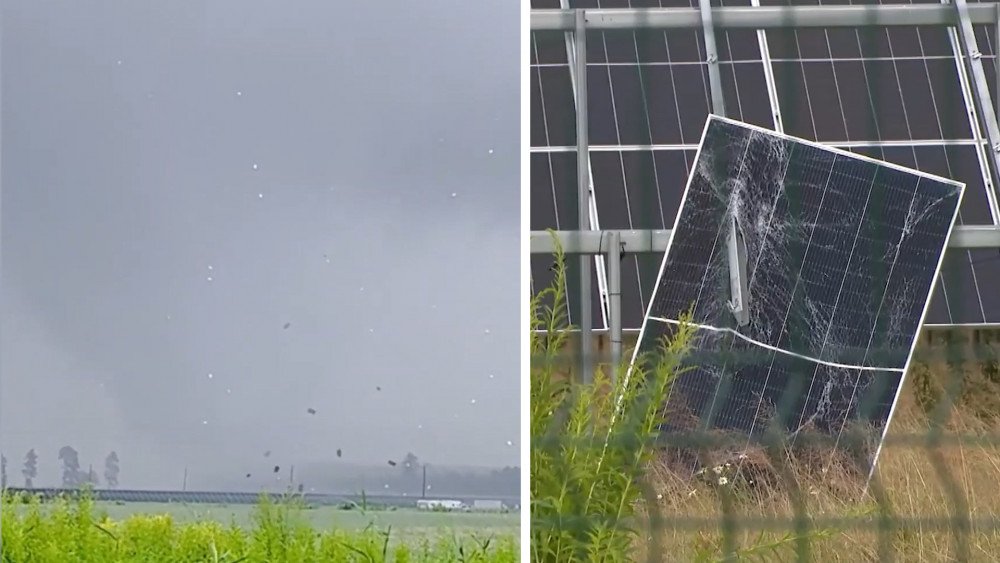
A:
(649, 96)
(841, 256)
(898, 94)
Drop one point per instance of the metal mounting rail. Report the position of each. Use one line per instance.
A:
(764, 17)
(655, 241)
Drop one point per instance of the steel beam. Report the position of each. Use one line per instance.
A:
(614, 262)
(583, 192)
(712, 54)
(655, 241)
(980, 88)
(764, 17)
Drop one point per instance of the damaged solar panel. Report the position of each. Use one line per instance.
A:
(808, 271)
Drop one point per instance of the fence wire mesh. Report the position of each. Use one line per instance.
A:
(610, 481)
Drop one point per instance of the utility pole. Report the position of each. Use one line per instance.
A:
(423, 487)
(184, 487)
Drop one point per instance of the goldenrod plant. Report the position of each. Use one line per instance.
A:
(591, 442)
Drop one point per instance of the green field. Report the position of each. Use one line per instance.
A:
(405, 522)
(272, 531)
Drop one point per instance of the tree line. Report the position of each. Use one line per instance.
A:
(73, 475)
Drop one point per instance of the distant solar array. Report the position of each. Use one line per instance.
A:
(808, 271)
(900, 94)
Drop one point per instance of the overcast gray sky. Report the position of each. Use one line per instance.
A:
(182, 179)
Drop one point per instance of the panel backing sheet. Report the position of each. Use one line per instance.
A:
(841, 254)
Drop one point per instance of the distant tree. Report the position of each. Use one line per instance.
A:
(410, 463)
(3, 471)
(30, 470)
(71, 467)
(111, 470)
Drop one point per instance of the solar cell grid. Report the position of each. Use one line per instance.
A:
(649, 89)
(906, 78)
(841, 256)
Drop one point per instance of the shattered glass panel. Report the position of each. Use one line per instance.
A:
(841, 255)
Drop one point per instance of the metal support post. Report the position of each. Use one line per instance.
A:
(583, 193)
(614, 259)
(980, 92)
(712, 54)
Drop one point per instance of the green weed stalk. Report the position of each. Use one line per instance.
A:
(591, 443)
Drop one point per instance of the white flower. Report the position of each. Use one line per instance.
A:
(717, 469)
(723, 480)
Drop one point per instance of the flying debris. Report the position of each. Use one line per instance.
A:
(311, 411)
(286, 326)
(248, 475)
(267, 453)
(339, 453)
(378, 388)
(277, 468)
(392, 463)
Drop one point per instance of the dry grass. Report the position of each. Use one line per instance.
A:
(913, 511)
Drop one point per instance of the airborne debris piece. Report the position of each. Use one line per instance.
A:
(339, 453)
(392, 463)
(378, 388)
(808, 271)
(248, 475)
(286, 326)
(277, 468)
(311, 410)
(267, 453)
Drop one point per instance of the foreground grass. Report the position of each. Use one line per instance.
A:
(928, 502)
(76, 530)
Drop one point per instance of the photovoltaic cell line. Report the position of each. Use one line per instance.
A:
(841, 256)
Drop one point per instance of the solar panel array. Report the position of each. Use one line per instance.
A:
(899, 94)
(841, 253)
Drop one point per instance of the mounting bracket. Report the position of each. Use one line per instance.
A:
(738, 274)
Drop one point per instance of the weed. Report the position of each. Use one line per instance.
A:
(591, 442)
(72, 529)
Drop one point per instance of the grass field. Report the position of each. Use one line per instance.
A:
(86, 531)
(405, 523)
(932, 502)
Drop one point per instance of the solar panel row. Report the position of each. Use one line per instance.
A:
(900, 94)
